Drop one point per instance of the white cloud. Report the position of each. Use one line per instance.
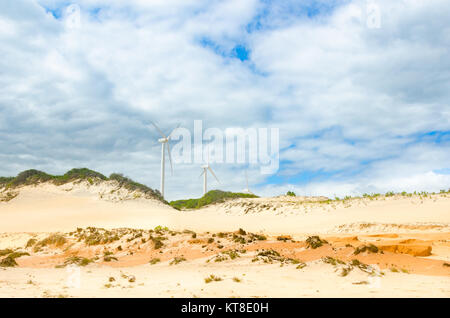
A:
(345, 97)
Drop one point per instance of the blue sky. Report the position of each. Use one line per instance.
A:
(359, 109)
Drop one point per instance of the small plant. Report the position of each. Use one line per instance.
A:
(8, 262)
(284, 238)
(111, 279)
(154, 261)
(242, 232)
(109, 256)
(5, 252)
(301, 265)
(332, 261)
(315, 242)
(210, 240)
(366, 248)
(446, 265)
(290, 194)
(177, 260)
(236, 280)
(54, 239)
(76, 260)
(212, 278)
(394, 270)
(31, 243)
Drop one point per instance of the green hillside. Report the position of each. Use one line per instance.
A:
(213, 196)
(33, 177)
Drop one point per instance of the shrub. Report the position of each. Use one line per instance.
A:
(366, 248)
(153, 261)
(212, 278)
(76, 260)
(315, 242)
(131, 185)
(31, 243)
(242, 232)
(290, 193)
(54, 239)
(177, 260)
(8, 262)
(5, 252)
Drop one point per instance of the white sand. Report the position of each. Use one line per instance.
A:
(48, 208)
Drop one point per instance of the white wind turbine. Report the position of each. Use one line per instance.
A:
(164, 140)
(205, 168)
(246, 190)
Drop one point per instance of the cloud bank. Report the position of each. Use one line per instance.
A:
(360, 109)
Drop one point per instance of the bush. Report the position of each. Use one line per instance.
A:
(212, 278)
(290, 194)
(5, 252)
(366, 248)
(213, 196)
(76, 260)
(177, 260)
(8, 262)
(315, 242)
(131, 185)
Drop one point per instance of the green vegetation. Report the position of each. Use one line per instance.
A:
(79, 261)
(315, 242)
(153, 261)
(5, 252)
(271, 256)
(212, 278)
(131, 185)
(32, 177)
(366, 248)
(10, 260)
(213, 196)
(177, 260)
(291, 194)
(57, 240)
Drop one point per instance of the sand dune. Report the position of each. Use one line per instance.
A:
(48, 208)
(397, 246)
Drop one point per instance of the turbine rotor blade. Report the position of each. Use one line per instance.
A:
(159, 130)
(178, 126)
(212, 172)
(201, 174)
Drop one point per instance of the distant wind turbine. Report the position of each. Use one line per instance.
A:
(164, 140)
(246, 190)
(205, 175)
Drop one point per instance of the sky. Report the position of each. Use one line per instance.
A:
(359, 90)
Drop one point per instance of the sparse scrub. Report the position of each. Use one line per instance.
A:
(213, 196)
(5, 252)
(212, 278)
(77, 260)
(366, 248)
(57, 240)
(177, 260)
(315, 242)
(154, 261)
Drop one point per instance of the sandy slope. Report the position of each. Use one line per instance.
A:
(413, 233)
(187, 280)
(49, 208)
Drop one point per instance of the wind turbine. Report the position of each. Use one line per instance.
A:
(164, 140)
(205, 168)
(246, 190)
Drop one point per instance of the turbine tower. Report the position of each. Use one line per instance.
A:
(205, 177)
(164, 140)
(246, 190)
